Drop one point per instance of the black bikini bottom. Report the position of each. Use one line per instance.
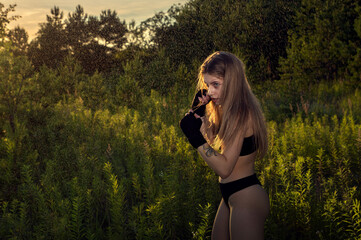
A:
(227, 189)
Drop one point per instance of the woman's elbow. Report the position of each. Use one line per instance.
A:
(225, 173)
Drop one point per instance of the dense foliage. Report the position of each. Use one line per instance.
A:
(90, 146)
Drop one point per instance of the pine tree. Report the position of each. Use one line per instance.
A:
(49, 47)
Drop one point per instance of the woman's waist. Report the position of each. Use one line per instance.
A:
(236, 176)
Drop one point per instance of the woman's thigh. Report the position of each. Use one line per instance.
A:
(248, 211)
(220, 229)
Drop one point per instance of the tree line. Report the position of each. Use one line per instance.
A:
(277, 39)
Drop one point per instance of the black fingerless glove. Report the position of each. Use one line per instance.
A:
(190, 126)
(199, 109)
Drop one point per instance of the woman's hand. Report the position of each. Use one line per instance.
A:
(190, 126)
(192, 122)
(201, 99)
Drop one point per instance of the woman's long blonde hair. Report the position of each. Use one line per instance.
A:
(238, 103)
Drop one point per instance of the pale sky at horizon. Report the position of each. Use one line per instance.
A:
(34, 12)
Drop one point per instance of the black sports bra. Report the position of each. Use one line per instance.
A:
(249, 146)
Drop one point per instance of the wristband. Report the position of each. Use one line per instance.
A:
(190, 126)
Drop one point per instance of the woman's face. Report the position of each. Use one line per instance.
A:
(214, 85)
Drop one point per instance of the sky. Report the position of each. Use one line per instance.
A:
(33, 12)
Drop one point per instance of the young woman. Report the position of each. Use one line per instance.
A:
(225, 115)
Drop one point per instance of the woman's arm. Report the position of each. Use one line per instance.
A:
(206, 131)
(222, 164)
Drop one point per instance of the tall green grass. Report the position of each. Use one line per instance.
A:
(70, 172)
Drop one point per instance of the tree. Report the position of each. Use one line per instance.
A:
(80, 38)
(184, 33)
(5, 19)
(77, 31)
(263, 36)
(355, 63)
(107, 38)
(19, 39)
(152, 31)
(93, 92)
(94, 41)
(49, 47)
(111, 30)
(90, 40)
(254, 30)
(322, 43)
(15, 77)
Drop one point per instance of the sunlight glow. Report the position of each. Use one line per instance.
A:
(34, 12)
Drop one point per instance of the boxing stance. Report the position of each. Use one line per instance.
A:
(227, 127)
